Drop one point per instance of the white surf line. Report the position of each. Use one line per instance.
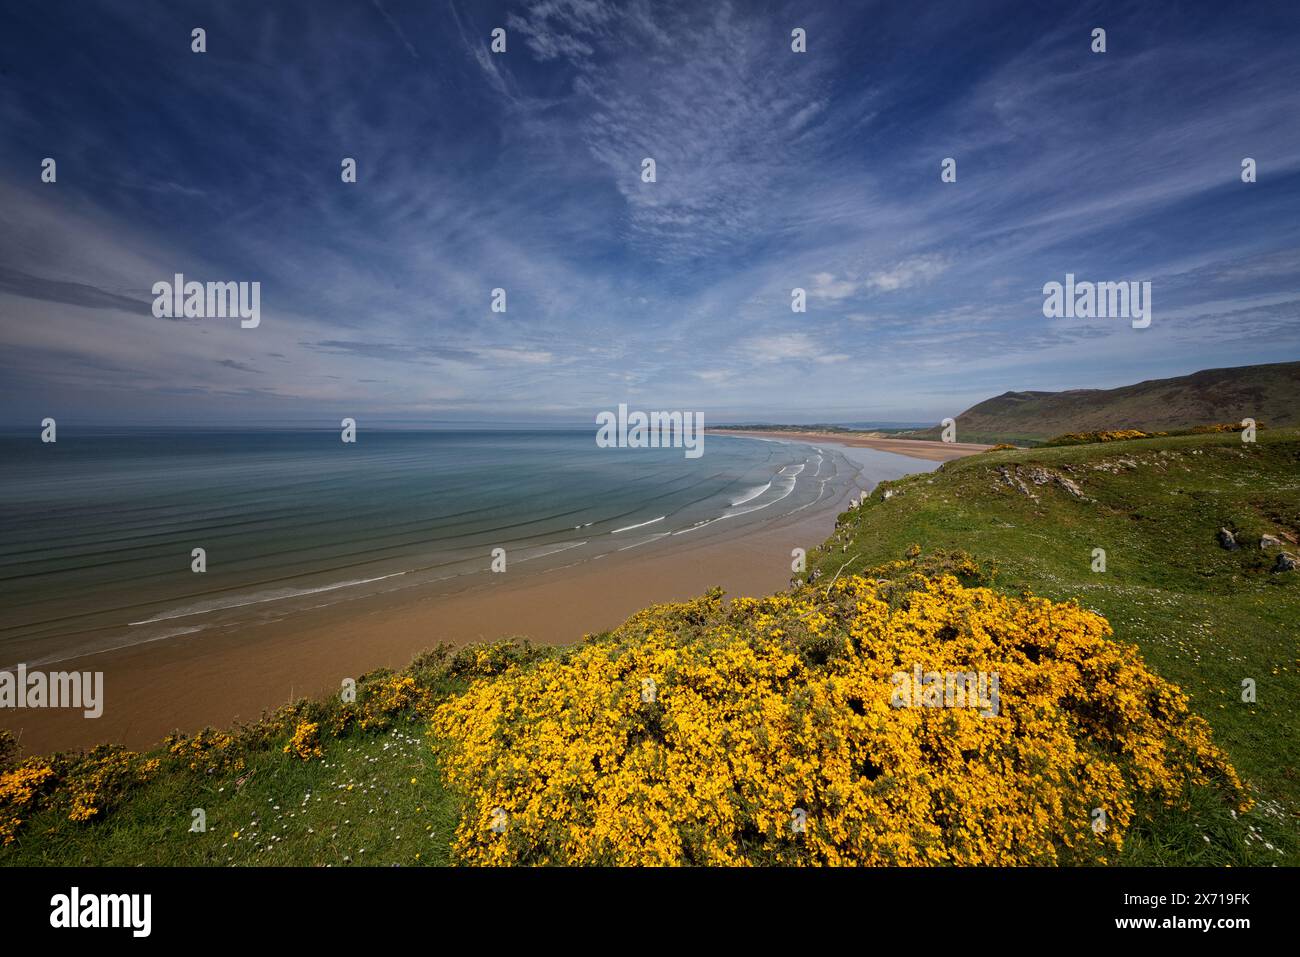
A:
(754, 493)
(553, 551)
(42, 662)
(698, 525)
(642, 525)
(820, 493)
(794, 480)
(652, 538)
(293, 593)
(734, 512)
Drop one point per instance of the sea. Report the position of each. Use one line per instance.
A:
(98, 530)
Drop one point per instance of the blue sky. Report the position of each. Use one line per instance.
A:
(522, 170)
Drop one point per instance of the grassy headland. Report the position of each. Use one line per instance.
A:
(1203, 616)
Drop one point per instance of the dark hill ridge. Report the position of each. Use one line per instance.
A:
(1266, 393)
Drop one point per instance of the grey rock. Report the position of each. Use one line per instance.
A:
(1228, 540)
(1041, 476)
(1286, 563)
(1070, 486)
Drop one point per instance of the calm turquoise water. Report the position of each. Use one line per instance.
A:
(96, 531)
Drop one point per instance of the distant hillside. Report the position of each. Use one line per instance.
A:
(1269, 394)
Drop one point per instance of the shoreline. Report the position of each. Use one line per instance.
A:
(926, 449)
(188, 683)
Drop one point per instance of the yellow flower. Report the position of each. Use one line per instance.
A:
(780, 711)
(305, 743)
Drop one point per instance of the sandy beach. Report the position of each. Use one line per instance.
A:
(912, 448)
(187, 683)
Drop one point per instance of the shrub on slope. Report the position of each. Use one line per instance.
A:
(766, 732)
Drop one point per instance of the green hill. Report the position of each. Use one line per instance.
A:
(1269, 394)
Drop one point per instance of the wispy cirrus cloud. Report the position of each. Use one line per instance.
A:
(908, 273)
(522, 170)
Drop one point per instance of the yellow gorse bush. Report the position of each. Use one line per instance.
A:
(87, 785)
(19, 789)
(1119, 435)
(84, 786)
(1222, 427)
(305, 742)
(1112, 435)
(210, 750)
(389, 697)
(765, 734)
(100, 779)
(383, 701)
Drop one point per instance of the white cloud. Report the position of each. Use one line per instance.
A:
(826, 286)
(790, 345)
(921, 269)
(713, 375)
(530, 356)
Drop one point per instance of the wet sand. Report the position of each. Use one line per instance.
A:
(152, 689)
(913, 448)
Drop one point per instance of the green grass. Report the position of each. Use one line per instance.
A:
(372, 799)
(1204, 617)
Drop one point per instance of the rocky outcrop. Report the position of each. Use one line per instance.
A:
(1114, 466)
(1014, 478)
